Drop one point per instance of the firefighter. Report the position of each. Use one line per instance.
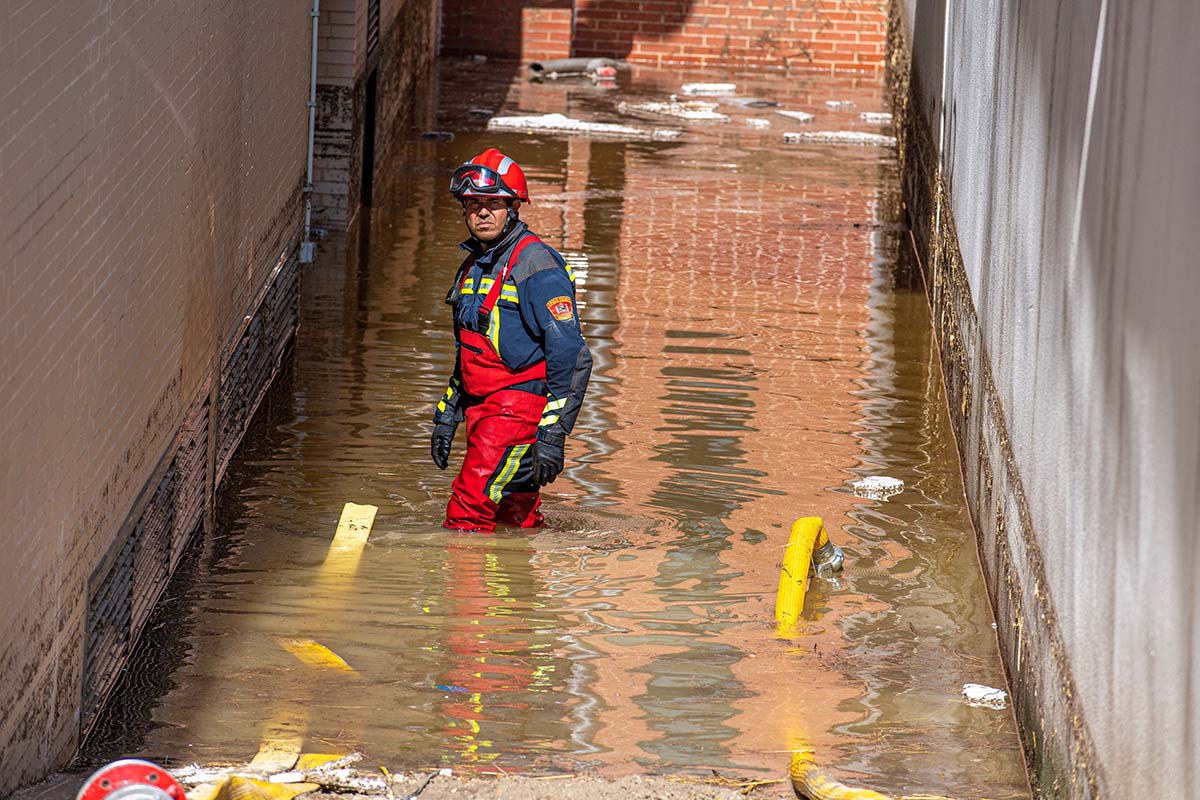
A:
(521, 367)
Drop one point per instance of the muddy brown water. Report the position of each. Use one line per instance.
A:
(760, 342)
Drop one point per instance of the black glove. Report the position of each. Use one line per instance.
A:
(547, 457)
(439, 443)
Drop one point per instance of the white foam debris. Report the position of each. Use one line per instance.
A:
(976, 694)
(758, 122)
(558, 123)
(876, 117)
(802, 116)
(686, 109)
(287, 777)
(350, 779)
(710, 89)
(877, 487)
(194, 774)
(839, 105)
(840, 137)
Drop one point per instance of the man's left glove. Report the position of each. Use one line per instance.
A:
(439, 443)
(547, 456)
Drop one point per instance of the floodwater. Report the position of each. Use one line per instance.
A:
(760, 342)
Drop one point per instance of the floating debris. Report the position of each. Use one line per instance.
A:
(594, 68)
(876, 117)
(683, 109)
(758, 122)
(841, 137)
(479, 112)
(438, 136)
(839, 105)
(976, 694)
(558, 123)
(877, 487)
(709, 89)
(449, 689)
(749, 102)
(343, 780)
(295, 776)
(479, 59)
(802, 116)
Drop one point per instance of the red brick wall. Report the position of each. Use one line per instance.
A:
(530, 30)
(827, 34)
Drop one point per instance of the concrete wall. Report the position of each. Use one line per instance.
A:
(153, 158)
(826, 34)
(1053, 177)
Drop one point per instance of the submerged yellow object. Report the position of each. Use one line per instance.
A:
(808, 534)
(315, 654)
(346, 548)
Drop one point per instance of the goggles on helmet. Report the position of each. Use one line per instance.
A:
(477, 179)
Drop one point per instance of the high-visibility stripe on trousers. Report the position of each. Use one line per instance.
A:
(496, 483)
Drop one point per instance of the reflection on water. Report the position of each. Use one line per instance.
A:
(757, 347)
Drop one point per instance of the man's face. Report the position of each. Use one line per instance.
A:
(487, 216)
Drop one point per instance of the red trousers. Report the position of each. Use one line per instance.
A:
(496, 483)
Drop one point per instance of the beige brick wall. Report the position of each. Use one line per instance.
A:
(153, 156)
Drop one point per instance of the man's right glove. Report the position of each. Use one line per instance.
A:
(547, 456)
(439, 443)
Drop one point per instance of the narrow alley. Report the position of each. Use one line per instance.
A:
(761, 341)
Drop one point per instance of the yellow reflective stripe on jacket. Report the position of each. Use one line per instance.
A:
(448, 396)
(493, 331)
(507, 291)
(550, 414)
(496, 490)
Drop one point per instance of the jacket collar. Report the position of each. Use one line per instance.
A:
(486, 256)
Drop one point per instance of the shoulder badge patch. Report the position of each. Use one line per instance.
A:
(560, 308)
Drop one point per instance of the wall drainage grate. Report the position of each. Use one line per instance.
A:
(255, 359)
(110, 610)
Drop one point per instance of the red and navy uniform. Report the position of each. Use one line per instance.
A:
(521, 367)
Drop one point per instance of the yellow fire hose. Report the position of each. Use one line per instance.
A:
(812, 783)
(808, 537)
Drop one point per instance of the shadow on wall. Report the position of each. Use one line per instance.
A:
(540, 30)
(608, 27)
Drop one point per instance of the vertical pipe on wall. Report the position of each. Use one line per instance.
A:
(1097, 60)
(306, 247)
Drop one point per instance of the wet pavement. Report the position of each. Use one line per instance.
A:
(760, 343)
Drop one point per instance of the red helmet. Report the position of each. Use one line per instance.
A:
(490, 174)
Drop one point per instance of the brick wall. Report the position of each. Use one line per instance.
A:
(837, 35)
(530, 30)
(387, 47)
(339, 35)
(153, 156)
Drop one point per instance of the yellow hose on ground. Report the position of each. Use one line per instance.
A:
(808, 534)
(812, 783)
